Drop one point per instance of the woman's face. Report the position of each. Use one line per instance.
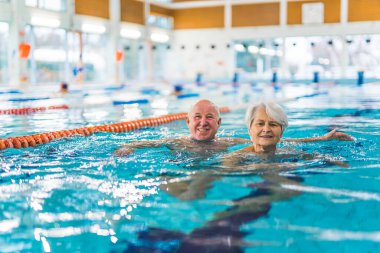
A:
(264, 130)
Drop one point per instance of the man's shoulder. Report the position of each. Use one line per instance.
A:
(232, 141)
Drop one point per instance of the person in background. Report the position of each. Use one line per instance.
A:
(64, 88)
(178, 90)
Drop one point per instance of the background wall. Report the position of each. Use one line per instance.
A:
(203, 34)
(255, 14)
(132, 11)
(211, 17)
(363, 10)
(209, 52)
(331, 11)
(98, 8)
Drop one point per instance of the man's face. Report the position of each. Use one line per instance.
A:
(203, 121)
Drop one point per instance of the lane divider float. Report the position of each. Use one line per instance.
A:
(127, 126)
(28, 110)
(11, 92)
(26, 99)
(137, 101)
(187, 95)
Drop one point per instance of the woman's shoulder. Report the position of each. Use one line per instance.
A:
(248, 149)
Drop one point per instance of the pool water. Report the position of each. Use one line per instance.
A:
(74, 195)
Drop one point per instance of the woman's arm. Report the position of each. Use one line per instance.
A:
(332, 135)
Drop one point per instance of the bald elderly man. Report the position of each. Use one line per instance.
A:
(203, 121)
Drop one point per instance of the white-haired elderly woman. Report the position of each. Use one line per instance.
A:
(266, 123)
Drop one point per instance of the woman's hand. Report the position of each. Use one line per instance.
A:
(335, 135)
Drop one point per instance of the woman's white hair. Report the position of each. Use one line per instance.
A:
(273, 110)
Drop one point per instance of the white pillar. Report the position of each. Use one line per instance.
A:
(283, 25)
(32, 72)
(283, 13)
(344, 61)
(344, 21)
(147, 44)
(16, 28)
(343, 11)
(68, 76)
(230, 58)
(113, 42)
(227, 15)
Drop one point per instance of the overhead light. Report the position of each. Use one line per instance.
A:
(253, 49)
(159, 37)
(129, 33)
(4, 27)
(323, 61)
(45, 21)
(239, 47)
(93, 28)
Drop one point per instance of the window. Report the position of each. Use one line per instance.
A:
(4, 34)
(259, 57)
(133, 51)
(363, 55)
(48, 59)
(305, 55)
(94, 57)
(160, 21)
(53, 5)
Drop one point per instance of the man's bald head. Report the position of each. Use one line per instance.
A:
(203, 120)
(202, 103)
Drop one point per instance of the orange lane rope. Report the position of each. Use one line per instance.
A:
(28, 110)
(37, 139)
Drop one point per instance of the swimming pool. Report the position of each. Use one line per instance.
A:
(73, 195)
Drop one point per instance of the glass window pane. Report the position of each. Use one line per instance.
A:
(305, 55)
(31, 3)
(49, 54)
(160, 21)
(132, 50)
(159, 56)
(363, 55)
(4, 34)
(54, 5)
(94, 57)
(258, 58)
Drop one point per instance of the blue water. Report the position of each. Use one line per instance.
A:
(73, 195)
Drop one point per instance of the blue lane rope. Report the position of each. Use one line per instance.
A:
(312, 95)
(188, 95)
(26, 99)
(137, 101)
(11, 92)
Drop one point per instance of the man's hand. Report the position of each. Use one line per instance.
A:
(123, 152)
(335, 135)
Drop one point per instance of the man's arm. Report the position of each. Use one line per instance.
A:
(192, 188)
(129, 148)
(332, 135)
